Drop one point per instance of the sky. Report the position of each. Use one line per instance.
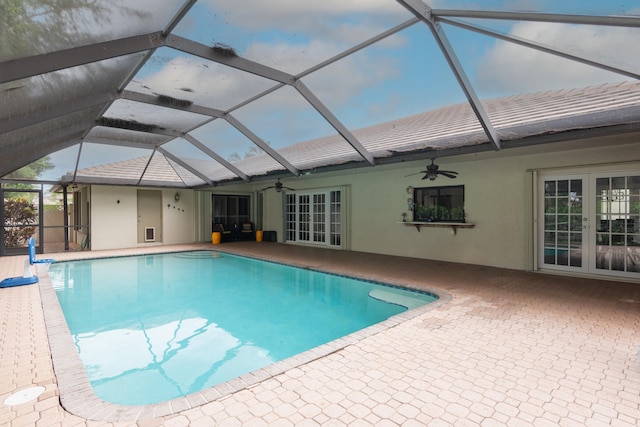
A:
(401, 75)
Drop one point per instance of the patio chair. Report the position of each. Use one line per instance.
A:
(247, 232)
(225, 235)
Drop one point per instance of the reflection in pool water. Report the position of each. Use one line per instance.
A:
(152, 328)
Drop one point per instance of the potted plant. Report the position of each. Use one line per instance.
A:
(457, 214)
(422, 212)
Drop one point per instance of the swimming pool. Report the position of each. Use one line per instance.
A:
(151, 328)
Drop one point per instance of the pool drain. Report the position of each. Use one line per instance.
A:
(24, 396)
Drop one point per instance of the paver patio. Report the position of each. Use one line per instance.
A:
(508, 348)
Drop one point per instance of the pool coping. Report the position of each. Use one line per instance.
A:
(77, 396)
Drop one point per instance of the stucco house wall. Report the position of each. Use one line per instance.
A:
(114, 219)
(499, 194)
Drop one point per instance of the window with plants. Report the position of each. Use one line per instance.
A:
(439, 204)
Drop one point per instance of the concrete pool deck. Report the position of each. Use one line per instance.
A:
(509, 348)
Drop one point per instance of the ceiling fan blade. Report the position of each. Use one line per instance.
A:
(417, 173)
(449, 174)
(266, 188)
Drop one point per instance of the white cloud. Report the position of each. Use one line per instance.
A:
(312, 32)
(513, 69)
(221, 87)
(299, 15)
(203, 82)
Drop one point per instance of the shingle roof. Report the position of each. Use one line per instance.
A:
(515, 118)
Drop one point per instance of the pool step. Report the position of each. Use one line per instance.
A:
(394, 298)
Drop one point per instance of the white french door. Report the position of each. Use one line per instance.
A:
(314, 217)
(589, 223)
(564, 223)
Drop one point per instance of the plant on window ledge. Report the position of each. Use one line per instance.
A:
(432, 213)
(422, 213)
(457, 214)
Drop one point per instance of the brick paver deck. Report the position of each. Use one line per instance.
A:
(502, 348)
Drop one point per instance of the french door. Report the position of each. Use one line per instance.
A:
(589, 223)
(564, 223)
(315, 218)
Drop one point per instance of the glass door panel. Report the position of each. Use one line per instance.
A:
(319, 218)
(617, 240)
(304, 218)
(563, 227)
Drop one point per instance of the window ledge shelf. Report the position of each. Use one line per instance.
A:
(454, 225)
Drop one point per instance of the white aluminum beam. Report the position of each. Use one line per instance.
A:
(153, 100)
(47, 62)
(150, 99)
(211, 112)
(333, 121)
(185, 165)
(216, 156)
(172, 133)
(206, 52)
(536, 46)
(330, 61)
(260, 143)
(360, 46)
(122, 143)
(15, 158)
(423, 12)
(173, 22)
(609, 21)
(43, 114)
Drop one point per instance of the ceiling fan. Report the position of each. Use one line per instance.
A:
(432, 172)
(278, 186)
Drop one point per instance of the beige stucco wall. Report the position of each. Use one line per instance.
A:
(114, 221)
(53, 218)
(498, 200)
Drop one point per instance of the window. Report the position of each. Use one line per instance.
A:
(229, 210)
(444, 204)
(314, 217)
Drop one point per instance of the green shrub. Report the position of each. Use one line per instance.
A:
(19, 213)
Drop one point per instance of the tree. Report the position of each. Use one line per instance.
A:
(29, 172)
(36, 26)
(19, 214)
(33, 170)
(254, 150)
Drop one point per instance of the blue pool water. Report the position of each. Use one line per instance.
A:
(152, 328)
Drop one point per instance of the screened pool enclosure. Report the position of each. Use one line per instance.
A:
(197, 94)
